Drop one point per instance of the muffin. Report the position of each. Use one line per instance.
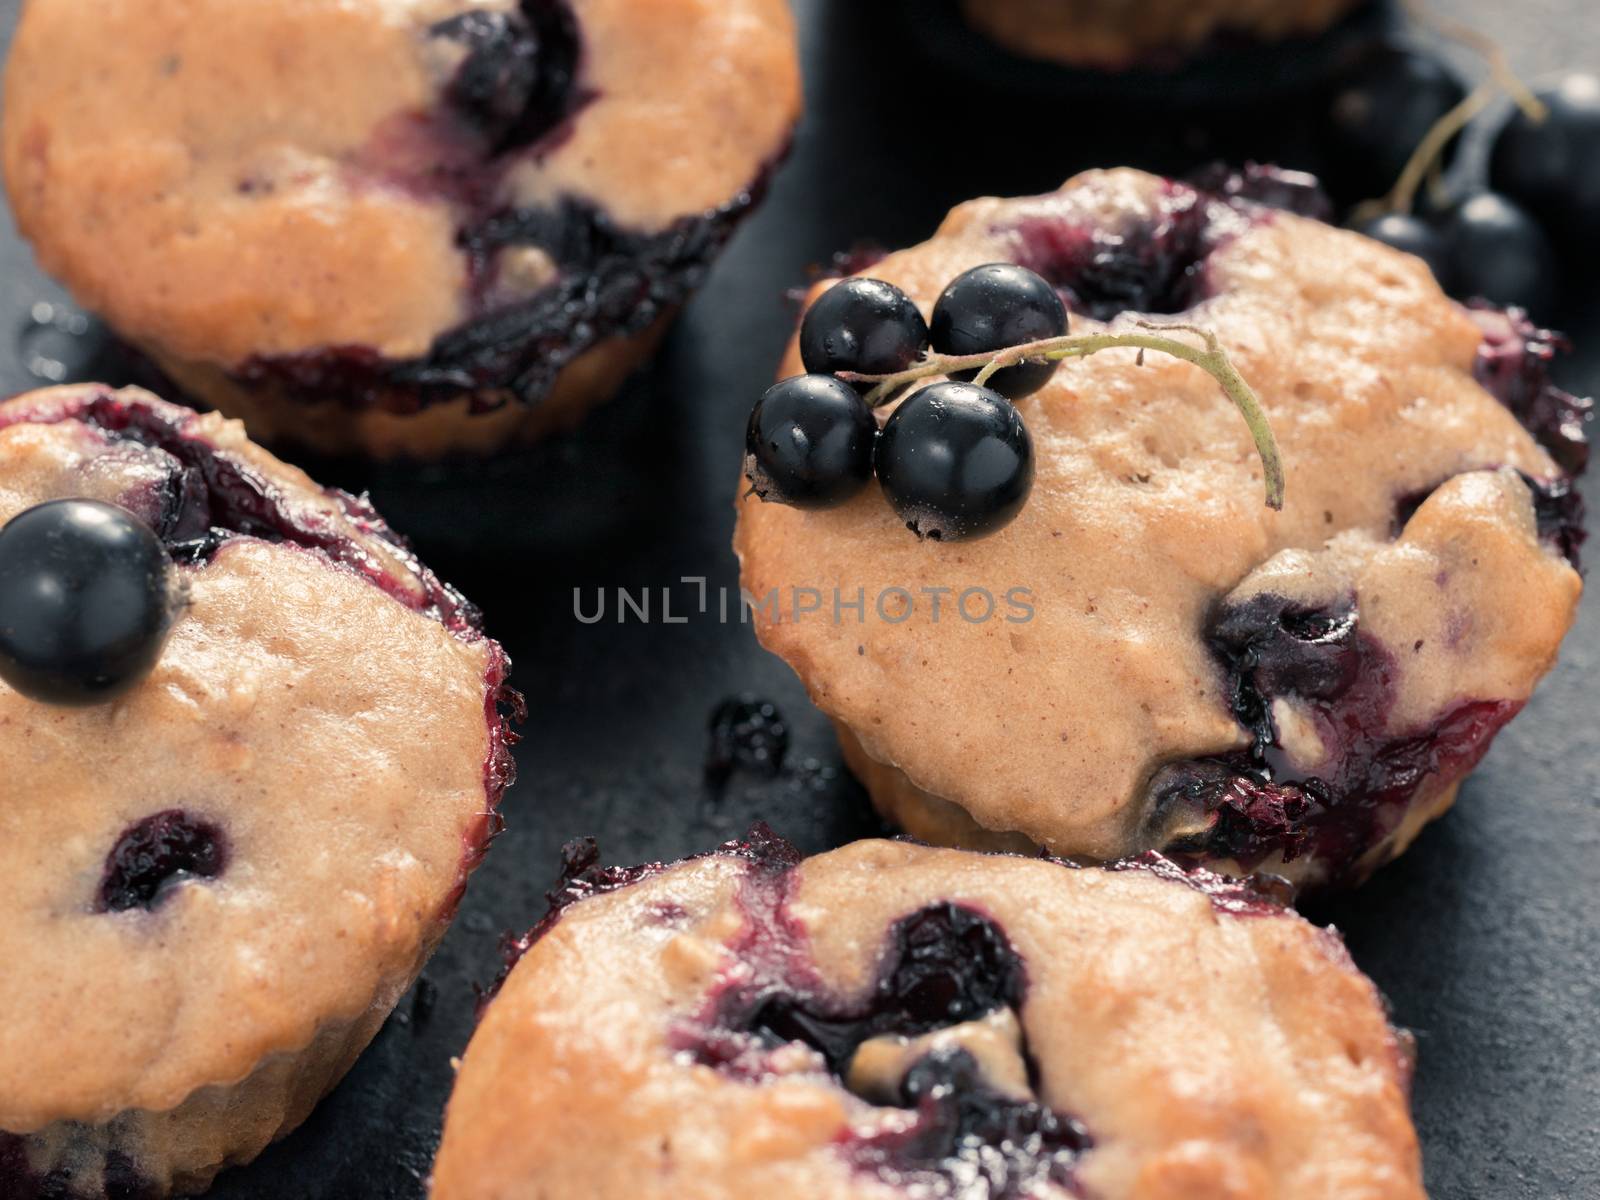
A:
(1118, 34)
(890, 1020)
(398, 227)
(220, 882)
(1149, 658)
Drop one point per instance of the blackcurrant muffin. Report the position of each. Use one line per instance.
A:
(222, 875)
(890, 1020)
(1147, 656)
(1116, 34)
(399, 227)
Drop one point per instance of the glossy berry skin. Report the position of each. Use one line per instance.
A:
(86, 601)
(809, 442)
(1382, 107)
(1499, 253)
(1553, 168)
(995, 307)
(1413, 235)
(863, 325)
(955, 461)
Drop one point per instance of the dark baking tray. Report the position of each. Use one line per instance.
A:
(1485, 936)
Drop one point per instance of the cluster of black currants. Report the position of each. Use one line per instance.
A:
(954, 459)
(1492, 241)
(88, 594)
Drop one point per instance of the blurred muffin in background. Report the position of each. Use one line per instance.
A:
(1117, 34)
(394, 227)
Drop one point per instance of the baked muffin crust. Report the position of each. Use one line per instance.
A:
(290, 201)
(1184, 1037)
(323, 718)
(1424, 528)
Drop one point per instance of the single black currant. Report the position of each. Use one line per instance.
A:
(747, 733)
(1499, 253)
(1384, 104)
(993, 308)
(863, 325)
(1552, 167)
(809, 442)
(87, 598)
(1414, 235)
(955, 461)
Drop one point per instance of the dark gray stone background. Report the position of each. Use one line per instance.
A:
(1484, 936)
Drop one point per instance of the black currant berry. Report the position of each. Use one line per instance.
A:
(87, 597)
(1381, 109)
(1413, 235)
(955, 461)
(1499, 253)
(1553, 167)
(995, 307)
(746, 733)
(809, 442)
(862, 325)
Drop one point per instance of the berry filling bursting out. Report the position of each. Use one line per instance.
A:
(515, 96)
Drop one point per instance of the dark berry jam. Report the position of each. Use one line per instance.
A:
(946, 965)
(970, 1140)
(515, 97)
(1558, 509)
(154, 856)
(943, 966)
(1259, 807)
(1297, 192)
(1276, 648)
(612, 281)
(503, 706)
(1514, 364)
(517, 83)
(1154, 265)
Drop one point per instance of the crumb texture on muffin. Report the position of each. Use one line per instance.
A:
(219, 884)
(1249, 688)
(889, 1020)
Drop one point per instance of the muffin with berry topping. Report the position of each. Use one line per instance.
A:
(1116, 34)
(253, 750)
(890, 1020)
(399, 227)
(1141, 654)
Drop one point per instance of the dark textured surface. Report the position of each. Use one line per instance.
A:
(1484, 937)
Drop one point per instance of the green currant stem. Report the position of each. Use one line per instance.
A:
(1489, 50)
(1213, 359)
(1429, 154)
